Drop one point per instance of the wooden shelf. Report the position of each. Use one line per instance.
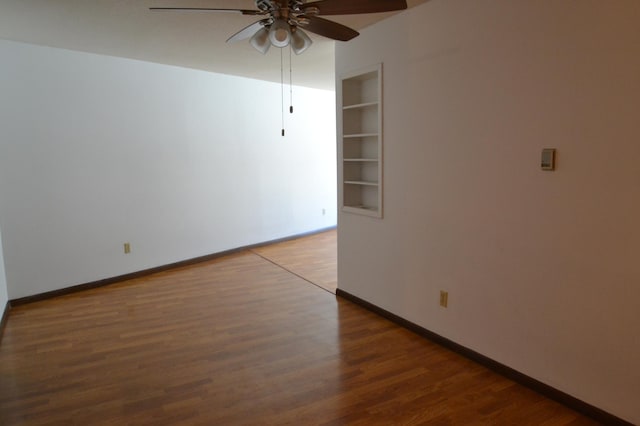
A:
(361, 142)
(360, 182)
(361, 135)
(362, 105)
(362, 210)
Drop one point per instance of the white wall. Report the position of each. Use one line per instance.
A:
(541, 267)
(97, 151)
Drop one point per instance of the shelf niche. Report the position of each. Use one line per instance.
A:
(361, 141)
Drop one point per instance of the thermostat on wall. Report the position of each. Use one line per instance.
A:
(548, 160)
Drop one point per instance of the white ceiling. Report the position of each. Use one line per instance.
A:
(126, 28)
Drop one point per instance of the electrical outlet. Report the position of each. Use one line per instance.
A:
(324, 212)
(444, 298)
(127, 248)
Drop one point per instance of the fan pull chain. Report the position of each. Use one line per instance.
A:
(282, 90)
(290, 83)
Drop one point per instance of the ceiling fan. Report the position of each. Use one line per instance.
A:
(283, 20)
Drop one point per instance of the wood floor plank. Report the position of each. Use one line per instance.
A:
(240, 341)
(314, 258)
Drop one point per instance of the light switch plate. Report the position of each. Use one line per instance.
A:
(548, 159)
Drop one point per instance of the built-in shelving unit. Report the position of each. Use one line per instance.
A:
(361, 142)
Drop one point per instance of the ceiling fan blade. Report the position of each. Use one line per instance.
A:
(204, 9)
(351, 7)
(246, 32)
(330, 29)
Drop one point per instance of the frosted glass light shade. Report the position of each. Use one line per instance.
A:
(300, 41)
(260, 40)
(280, 33)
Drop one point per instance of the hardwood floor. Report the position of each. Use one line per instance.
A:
(240, 341)
(314, 258)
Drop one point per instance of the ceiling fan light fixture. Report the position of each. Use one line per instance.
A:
(300, 41)
(280, 33)
(281, 19)
(260, 40)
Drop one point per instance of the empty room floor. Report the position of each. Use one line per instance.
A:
(240, 340)
(313, 258)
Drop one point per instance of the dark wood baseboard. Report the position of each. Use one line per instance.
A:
(4, 317)
(533, 384)
(145, 272)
